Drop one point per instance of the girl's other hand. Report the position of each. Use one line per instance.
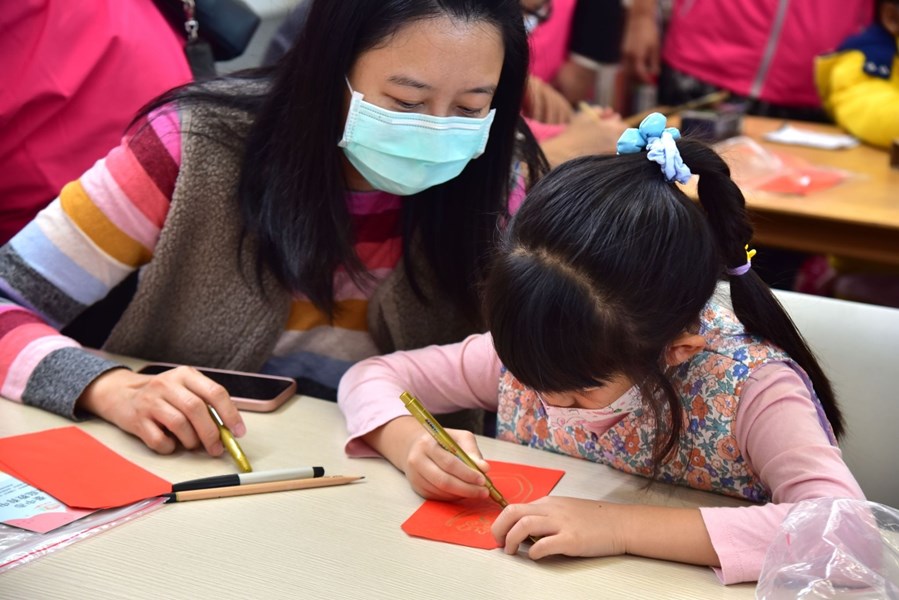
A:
(569, 526)
(164, 409)
(437, 474)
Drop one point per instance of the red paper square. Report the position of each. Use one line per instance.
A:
(468, 522)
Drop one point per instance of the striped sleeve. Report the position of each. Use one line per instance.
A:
(101, 228)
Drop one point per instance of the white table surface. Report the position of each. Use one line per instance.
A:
(335, 542)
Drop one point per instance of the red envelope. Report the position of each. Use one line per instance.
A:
(468, 522)
(77, 470)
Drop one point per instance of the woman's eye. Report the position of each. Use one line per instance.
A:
(407, 105)
(471, 112)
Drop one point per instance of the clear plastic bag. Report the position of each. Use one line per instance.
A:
(833, 548)
(18, 546)
(755, 167)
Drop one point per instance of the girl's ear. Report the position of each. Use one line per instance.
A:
(683, 348)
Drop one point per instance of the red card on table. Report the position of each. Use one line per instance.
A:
(77, 470)
(467, 523)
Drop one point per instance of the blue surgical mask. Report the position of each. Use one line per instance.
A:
(406, 153)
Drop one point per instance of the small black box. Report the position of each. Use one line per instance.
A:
(713, 125)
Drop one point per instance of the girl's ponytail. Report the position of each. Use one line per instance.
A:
(754, 304)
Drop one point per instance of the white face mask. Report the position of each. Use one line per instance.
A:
(595, 420)
(533, 18)
(530, 23)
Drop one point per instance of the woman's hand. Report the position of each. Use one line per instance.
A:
(164, 409)
(641, 46)
(542, 102)
(592, 130)
(569, 526)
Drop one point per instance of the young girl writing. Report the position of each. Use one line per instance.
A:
(606, 343)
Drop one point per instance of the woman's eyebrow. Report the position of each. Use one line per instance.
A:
(484, 89)
(407, 81)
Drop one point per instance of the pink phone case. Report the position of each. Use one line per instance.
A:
(267, 404)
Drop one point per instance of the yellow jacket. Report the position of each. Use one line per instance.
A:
(859, 86)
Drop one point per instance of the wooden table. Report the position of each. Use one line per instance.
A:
(858, 218)
(336, 542)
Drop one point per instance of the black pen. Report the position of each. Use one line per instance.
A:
(247, 478)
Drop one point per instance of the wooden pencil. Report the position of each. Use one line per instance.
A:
(262, 488)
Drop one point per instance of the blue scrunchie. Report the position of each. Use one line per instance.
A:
(658, 141)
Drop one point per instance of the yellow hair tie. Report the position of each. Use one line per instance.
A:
(749, 253)
(744, 268)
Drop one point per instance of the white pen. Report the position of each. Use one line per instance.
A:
(247, 478)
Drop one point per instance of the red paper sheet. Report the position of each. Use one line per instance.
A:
(799, 177)
(77, 470)
(467, 523)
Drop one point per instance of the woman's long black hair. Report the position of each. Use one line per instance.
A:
(292, 188)
(606, 263)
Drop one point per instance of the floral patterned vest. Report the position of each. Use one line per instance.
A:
(709, 387)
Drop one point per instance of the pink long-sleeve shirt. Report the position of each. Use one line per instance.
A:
(777, 428)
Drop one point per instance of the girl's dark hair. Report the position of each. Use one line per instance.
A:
(292, 188)
(606, 263)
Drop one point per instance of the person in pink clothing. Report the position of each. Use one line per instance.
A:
(74, 74)
(606, 342)
(548, 23)
(762, 51)
(562, 131)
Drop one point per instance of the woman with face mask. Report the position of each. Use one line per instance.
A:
(291, 220)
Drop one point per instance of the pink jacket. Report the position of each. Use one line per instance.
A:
(81, 70)
(763, 49)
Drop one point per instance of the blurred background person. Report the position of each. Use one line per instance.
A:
(859, 83)
(73, 76)
(762, 51)
(594, 52)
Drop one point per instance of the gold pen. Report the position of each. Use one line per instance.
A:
(229, 442)
(448, 443)
(414, 406)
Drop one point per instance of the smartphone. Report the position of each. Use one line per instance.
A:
(249, 391)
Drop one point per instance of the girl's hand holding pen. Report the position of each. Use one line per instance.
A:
(164, 409)
(436, 474)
